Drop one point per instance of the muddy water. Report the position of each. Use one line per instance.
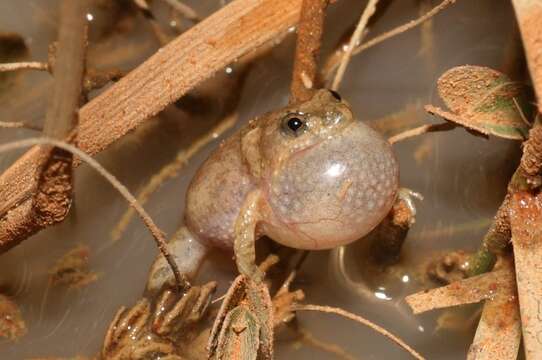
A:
(461, 177)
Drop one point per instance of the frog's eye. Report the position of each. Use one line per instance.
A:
(335, 94)
(293, 124)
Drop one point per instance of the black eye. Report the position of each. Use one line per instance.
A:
(335, 95)
(293, 125)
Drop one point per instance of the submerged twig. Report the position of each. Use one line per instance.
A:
(333, 349)
(19, 125)
(364, 19)
(309, 38)
(29, 65)
(70, 64)
(361, 320)
(183, 9)
(153, 228)
(424, 129)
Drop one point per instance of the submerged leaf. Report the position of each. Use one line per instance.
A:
(484, 100)
(72, 269)
(12, 325)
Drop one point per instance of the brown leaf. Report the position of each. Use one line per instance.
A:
(484, 100)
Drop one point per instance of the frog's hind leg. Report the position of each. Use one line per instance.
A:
(188, 253)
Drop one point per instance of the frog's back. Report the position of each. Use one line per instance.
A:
(216, 194)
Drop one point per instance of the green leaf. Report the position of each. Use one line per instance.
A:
(484, 100)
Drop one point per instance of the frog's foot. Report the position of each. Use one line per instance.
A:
(151, 329)
(187, 252)
(174, 313)
(405, 198)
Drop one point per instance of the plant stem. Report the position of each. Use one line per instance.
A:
(309, 38)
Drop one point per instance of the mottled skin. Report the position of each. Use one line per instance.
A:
(309, 176)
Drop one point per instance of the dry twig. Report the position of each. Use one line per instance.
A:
(30, 65)
(311, 26)
(364, 19)
(331, 65)
(70, 69)
(403, 28)
(183, 9)
(18, 125)
(424, 129)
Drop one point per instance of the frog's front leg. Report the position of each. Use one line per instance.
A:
(245, 236)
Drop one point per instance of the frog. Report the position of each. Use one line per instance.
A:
(309, 176)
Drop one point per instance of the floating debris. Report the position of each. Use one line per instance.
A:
(72, 269)
(12, 325)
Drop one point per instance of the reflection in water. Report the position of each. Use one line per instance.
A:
(366, 290)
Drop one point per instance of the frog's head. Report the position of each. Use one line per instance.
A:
(328, 178)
